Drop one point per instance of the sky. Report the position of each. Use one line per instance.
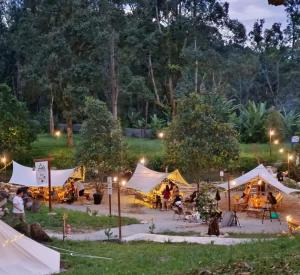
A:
(248, 11)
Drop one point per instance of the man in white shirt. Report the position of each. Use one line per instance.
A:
(18, 206)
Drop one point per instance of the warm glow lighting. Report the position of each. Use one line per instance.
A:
(143, 161)
(161, 135)
(281, 150)
(233, 182)
(289, 218)
(276, 142)
(115, 179)
(3, 160)
(259, 182)
(123, 182)
(290, 157)
(57, 133)
(272, 132)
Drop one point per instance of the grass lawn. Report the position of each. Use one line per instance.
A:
(280, 256)
(64, 157)
(79, 220)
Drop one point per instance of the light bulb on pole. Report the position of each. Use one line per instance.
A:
(161, 135)
(271, 133)
(290, 158)
(4, 160)
(143, 161)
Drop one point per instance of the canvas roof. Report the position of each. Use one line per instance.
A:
(145, 179)
(259, 173)
(22, 255)
(26, 176)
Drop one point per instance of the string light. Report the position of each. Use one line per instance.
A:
(12, 240)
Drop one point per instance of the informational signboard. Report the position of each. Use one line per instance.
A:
(41, 170)
(295, 139)
(109, 185)
(221, 174)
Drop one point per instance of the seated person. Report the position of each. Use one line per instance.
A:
(158, 202)
(244, 198)
(271, 199)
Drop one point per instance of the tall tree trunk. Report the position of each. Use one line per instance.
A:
(18, 80)
(196, 66)
(114, 80)
(172, 96)
(51, 117)
(69, 121)
(157, 99)
(146, 116)
(157, 16)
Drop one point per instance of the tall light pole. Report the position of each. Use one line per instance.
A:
(271, 133)
(290, 158)
(4, 160)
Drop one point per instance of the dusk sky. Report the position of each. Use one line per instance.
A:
(247, 11)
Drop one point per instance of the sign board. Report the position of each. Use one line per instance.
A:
(109, 185)
(41, 170)
(221, 174)
(295, 139)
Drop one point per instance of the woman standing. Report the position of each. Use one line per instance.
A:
(166, 197)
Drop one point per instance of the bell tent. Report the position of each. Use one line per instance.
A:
(21, 255)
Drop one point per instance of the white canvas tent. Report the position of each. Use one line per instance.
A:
(26, 176)
(21, 255)
(145, 179)
(258, 173)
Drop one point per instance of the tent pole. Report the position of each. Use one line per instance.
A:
(228, 182)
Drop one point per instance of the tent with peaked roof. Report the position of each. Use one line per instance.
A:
(145, 180)
(259, 173)
(22, 255)
(26, 176)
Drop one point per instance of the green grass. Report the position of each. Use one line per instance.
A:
(78, 220)
(152, 149)
(280, 256)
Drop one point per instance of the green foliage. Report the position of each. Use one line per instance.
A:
(275, 121)
(252, 122)
(16, 129)
(101, 148)
(206, 203)
(198, 139)
(291, 122)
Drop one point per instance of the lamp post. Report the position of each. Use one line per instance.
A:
(3, 160)
(290, 158)
(271, 133)
(57, 133)
(116, 180)
(142, 161)
(230, 183)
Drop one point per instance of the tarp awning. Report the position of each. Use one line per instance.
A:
(145, 179)
(26, 176)
(259, 173)
(22, 255)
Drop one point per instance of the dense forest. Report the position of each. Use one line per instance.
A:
(142, 57)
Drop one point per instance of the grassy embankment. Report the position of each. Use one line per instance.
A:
(80, 221)
(280, 256)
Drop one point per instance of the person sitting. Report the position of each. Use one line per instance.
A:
(158, 203)
(271, 199)
(280, 176)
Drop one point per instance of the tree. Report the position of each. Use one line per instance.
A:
(16, 130)
(197, 139)
(101, 148)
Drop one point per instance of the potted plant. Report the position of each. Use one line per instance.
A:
(98, 195)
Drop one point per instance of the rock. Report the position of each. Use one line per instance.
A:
(38, 234)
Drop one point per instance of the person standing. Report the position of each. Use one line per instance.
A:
(18, 206)
(166, 197)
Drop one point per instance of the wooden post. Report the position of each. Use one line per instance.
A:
(49, 159)
(119, 212)
(229, 202)
(109, 203)
(49, 185)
